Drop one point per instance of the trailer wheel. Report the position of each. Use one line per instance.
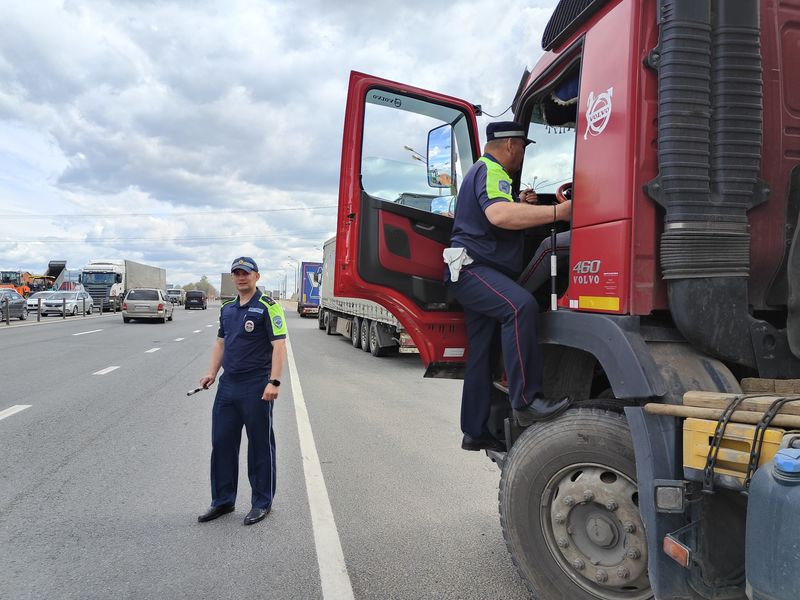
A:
(329, 319)
(365, 334)
(375, 347)
(355, 332)
(321, 318)
(569, 509)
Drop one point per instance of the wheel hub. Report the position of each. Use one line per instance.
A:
(595, 531)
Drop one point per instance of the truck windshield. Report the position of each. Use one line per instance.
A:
(99, 278)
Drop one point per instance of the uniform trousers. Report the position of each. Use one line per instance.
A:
(238, 404)
(489, 297)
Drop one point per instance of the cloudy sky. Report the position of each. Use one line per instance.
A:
(185, 133)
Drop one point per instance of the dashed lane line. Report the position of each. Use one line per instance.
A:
(197, 331)
(179, 339)
(152, 350)
(13, 410)
(210, 325)
(105, 371)
(87, 332)
(330, 558)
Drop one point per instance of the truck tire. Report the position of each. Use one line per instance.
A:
(365, 323)
(568, 502)
(375, 347)
(321, 318)
(355, 332)
(329, 321)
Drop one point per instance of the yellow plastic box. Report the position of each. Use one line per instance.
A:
(734, 452)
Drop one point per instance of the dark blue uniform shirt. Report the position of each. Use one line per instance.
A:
(249, 331)
(484, 184)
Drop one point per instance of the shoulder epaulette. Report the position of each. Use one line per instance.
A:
(266, 300)
(224, 304)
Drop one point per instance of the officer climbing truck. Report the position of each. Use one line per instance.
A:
(308, 302)
(368, 324)
(107, 281)
(673, 126)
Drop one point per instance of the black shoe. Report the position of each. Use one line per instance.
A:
(485, 442)
(255, 515)
(215, 512)
(541, 409)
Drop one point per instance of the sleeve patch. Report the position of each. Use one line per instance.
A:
(504, 187)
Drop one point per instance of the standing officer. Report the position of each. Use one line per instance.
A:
(251, 349)
(485, 259)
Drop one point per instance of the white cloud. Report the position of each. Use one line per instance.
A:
(180, 108)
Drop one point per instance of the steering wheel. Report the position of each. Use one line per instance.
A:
(564, 192)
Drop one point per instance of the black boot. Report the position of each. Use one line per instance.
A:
(541, 409)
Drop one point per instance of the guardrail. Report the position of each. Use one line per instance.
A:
(6, 313)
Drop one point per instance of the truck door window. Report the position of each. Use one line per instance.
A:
(393, 156)
(550, 162)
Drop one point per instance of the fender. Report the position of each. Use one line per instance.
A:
(616, 342)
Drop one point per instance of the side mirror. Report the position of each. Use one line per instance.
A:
(440, 157)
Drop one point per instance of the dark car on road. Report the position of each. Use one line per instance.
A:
(15, 304)
(196, 299)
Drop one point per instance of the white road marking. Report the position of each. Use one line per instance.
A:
(105, 371)
(85, 332)
(152, 350)
(13, 410)
(330, 558)
(210, 325)
(197, 331)
(179, 339)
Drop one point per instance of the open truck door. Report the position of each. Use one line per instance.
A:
(404, 153)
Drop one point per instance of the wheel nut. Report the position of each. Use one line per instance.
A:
(588, 495)
(568, 500)
(601, 577)
(563, 542)
(629, 527)
(579, 564)
(623, 573)
(612, 505)
(560, 518)
(634, 553)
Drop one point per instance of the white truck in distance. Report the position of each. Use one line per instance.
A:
(227, 290)
(368, 325)
(107, 281)
(176, 296)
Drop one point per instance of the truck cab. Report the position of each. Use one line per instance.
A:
(671, 124)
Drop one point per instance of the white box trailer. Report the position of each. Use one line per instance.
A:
(368, 324)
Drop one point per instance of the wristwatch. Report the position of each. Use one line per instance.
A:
(275, 382)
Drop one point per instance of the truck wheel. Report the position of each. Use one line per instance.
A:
(364, 334)
(355, 332)
(329, 320)
(375, 347)
(321, 318)
(569, 509)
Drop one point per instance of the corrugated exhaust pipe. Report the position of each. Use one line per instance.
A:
(709, 149)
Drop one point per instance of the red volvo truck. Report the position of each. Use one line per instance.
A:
(675, 127)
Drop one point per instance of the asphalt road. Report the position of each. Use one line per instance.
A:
(103, 475)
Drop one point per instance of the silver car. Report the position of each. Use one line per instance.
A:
(70, 303)
(33, 300)
(147, 303)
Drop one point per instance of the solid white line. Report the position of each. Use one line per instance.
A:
(152, 350)
(197, 331)
(105, 371)
(13, 410)
(330, 558)
(85, 332)
(179, 339)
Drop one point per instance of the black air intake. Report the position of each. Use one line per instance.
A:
(709, 147)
